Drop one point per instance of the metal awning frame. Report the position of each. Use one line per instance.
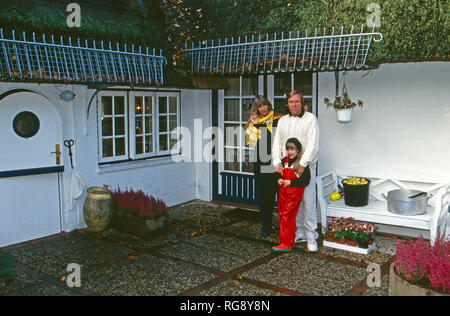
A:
(295, 53)
(21, 59)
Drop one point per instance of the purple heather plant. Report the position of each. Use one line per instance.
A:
(420, 262)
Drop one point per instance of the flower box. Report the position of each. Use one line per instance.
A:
(350, 248)
(139, 226)
(350, 235)
(139, 214)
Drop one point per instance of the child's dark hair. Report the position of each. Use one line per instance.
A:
(295, 143)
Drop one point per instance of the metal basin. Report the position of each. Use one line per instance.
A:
(399, 202)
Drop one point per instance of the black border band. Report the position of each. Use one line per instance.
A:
(30, 172)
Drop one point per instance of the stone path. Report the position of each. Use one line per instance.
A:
(206, 251)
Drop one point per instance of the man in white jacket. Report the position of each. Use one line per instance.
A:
(302, 125)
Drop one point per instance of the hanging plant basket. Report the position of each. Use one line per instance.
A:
(344, 115)
(343, 106)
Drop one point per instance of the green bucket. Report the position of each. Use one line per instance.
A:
(6, 264)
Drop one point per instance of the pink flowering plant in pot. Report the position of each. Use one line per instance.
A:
(350, 229)
(139, 213)
(424, 264)
(137, 203)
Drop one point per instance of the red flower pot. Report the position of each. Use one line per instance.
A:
(371, 242)
(352, 243)
(330, 239)
(342, 241)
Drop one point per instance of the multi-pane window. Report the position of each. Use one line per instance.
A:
(167, 122)
(286, 82)
(113, 140)
(141, 122)
(137, 125)
(238, 101)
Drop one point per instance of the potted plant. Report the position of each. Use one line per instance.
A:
(138, 213)
(347, 231)
(366, 235)
(343, 106)
(421, 268)
(352, 233)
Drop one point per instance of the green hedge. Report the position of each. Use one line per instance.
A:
(50, 18)
(414, 30)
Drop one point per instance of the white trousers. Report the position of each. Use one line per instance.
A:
(307, 214)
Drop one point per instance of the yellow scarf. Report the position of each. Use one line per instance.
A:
(252, 133)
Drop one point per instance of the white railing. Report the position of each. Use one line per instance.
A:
(321, 52)
(22, 59)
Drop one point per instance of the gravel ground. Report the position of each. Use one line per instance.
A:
(207, 250)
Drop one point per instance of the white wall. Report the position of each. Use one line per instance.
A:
(405, 122)
(175, 183)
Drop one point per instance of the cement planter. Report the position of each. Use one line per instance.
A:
(401, 287)
(138, 226)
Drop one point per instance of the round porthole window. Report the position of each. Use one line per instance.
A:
(26, 124)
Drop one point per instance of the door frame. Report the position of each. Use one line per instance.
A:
(242, 186)
(58, 170)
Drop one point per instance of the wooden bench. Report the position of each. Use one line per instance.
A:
(383, 181)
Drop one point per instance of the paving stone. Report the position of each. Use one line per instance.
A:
(247, 250)
(308, 275)
(379, 291)
(53, 247)
(130, 241)
(147, 275)
(208, 257)
(249, 229)
(56, 266)
(284, 267)
(199, 212)
(236, 288)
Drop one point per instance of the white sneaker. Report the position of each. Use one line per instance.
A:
(312, 246)
(300, 238)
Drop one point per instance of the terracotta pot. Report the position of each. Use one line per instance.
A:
(352, 243)
(98, 209)
(330, 239)
(342, 241)
(371, 242)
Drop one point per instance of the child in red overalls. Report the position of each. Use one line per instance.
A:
(292, 186)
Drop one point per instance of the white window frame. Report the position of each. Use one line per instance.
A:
(132, 124)
(169, 132)
(100, 116)
(130, 127)
(241, 147)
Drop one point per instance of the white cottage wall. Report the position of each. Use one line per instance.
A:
(173, 182)
(405, 121)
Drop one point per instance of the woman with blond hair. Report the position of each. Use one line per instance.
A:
(258, 135)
